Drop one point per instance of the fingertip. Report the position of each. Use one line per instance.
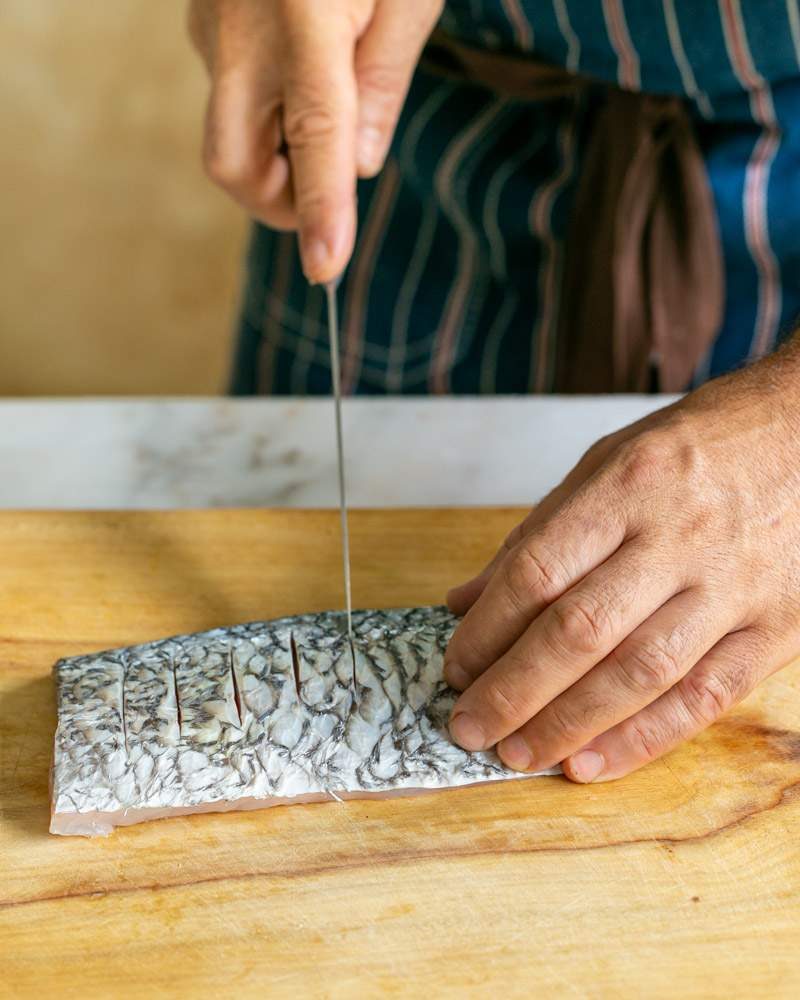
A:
(370, 151)
(315, 254)
(454, 601)
(585, 767)
(456, 676)
(467, 732)
(515, 752)
(325, 251)
(368, 172)
(461, 598)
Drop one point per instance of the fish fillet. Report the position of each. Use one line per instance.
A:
(258, 715)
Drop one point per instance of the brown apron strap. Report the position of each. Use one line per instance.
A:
(643, 282)
(508, 75)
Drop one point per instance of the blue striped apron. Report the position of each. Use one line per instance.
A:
(454, 286)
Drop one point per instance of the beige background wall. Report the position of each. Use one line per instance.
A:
(119, 262)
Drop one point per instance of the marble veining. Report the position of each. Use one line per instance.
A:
(411, 451)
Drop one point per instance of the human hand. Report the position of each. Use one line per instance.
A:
(648, 593)
(305, 97)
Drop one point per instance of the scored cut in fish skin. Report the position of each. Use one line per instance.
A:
(221, 720)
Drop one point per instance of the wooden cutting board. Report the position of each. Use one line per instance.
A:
(681, 880)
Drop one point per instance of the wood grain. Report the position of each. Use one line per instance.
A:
(681, 880)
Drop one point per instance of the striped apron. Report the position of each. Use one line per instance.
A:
(455, 284)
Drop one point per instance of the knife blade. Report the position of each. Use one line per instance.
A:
(333, 333)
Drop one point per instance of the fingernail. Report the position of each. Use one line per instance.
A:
(316, 254)
(515, 752)
(466, 732)
(587, 765)
(370, 148)
(456, 676)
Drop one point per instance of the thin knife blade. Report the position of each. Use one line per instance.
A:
(333, 333)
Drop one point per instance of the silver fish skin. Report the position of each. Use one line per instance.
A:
(258, 715)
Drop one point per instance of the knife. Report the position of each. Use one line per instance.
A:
(333, 334)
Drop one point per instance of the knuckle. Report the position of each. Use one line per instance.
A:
(709, 694)
(310, 123)
(383, 82)
(646, 742)
(466, 648)
(642, 461)
(650, 666)
(569, 723)
(601, 447)
(224, 168)
(502, 703)
(528, 574)
(315, 206)
(579, 626)
(517, 533)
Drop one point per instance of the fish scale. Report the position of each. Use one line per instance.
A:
(217, 721)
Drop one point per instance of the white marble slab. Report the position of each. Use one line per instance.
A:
(149, 453)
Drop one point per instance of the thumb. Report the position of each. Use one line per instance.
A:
(319, 126)
(386, 58)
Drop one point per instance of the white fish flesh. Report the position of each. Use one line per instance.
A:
(257, 715)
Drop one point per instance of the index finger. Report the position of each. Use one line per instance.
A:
(577, 538)
(565, 642)
(460, 599)
(319, 123)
